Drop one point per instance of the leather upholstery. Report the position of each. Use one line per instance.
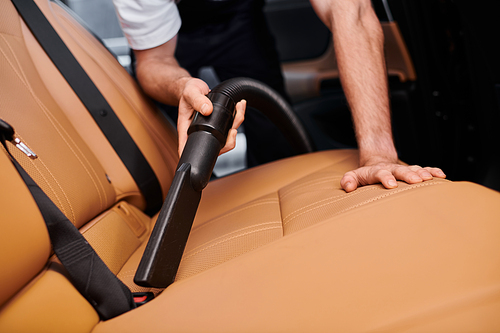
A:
(423, 260)
(155, 137)
(279, 247)
(50, 135)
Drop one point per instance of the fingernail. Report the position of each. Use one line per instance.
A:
(392, 183)
(441, 173)
(204, 108)
(415, 178)
(347, 187)
(427, 175)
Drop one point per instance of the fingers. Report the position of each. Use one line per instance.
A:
(415, 174)
(387, 174)
(240, 114)
(367, 176)
(230, 143)
(193, 99)
(238, 120)
(349, 182)
(379, 174)
(194, 94)
(436, 172)
(411, 174)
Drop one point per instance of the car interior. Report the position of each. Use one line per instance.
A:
(275, 248)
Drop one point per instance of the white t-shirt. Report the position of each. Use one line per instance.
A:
(148, 23)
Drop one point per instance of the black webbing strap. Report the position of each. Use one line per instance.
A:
(88, 273)
(95, 103)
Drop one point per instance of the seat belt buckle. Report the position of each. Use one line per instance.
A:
(142, 298)
(7, 133)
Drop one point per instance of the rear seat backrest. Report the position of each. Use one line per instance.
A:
(154, 136)
(65, 169)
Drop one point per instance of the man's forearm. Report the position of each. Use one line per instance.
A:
(359, 47)
(162, 80)
(159, 73)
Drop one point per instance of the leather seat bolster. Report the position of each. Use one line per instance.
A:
(24, 240)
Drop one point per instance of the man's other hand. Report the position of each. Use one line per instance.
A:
(387, 174)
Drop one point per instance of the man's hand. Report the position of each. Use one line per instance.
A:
(194, 99)
(387, 174)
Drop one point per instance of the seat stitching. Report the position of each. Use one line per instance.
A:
(58, 185)
(97, 182)
(127, 273)
(366, 201)
(39, 158)
(103, 197)
(50, 185)
(22, 76)
(54, 121)
(82, 38)
(228, 239)
(262, 202)
(337, 196)
(9, 34)
(232, 232)
(325, 187)
(309, 183)
(173, 152)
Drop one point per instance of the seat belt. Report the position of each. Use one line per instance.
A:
(94, 101)
(89, 274)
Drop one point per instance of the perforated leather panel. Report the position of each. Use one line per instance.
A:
(65, 169)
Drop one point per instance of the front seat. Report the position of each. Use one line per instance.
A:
(280, 247)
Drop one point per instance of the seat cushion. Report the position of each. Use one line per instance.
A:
(242, 212)
(420, 257)
(268, 203)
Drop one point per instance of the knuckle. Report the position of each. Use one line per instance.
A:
(414, 167)
(381, 173)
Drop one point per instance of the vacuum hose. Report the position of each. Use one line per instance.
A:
(207, 136)
(204, 130)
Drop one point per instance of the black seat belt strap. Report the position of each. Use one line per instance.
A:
(89, 274)
(94, 101)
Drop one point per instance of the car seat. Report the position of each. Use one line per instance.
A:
(280, 247)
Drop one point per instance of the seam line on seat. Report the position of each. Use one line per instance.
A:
(40, 160)
(52, 119)
(231, 238)
(255, 204)
(22, 78)
(171, 159)
(230, 233)
(335, 198)
(309, 183)
(364, 202)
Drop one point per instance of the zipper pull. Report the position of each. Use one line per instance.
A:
(8, 133)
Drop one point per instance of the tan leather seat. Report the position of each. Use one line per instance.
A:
(276, 248)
